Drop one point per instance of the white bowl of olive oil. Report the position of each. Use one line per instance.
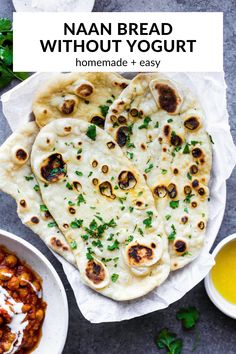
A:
(220, 283)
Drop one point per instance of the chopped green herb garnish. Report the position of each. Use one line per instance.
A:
(168, 217)
(174, 204)
(140, 231)
(73, 245)
(90, 173)
(69, 186)
(186, 149)
(114, 246)
(156, 125)
(189, 176)
(92, 132)
(148, 169)
(52, 224)
(79, 173)
(145, 124)
(80, 199)
(188, 198)
(43, 207)
(114, 277)
(129, 239)
(28, 178)
(76, 224)
(211, 140)
(79, 151)
(104, 110)
(172, 235)
(163, 171)
(36, 188)
(70, 203)
(131, 209)
(170, 120)
(130, 155)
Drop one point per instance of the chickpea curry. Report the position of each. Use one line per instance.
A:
(22, 308)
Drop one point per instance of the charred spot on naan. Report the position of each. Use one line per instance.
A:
(77, 185)
(127, 180)
(184, 219)
(187, 190)
(201, 225)
(20, 155)
(139, 254)
(192, 123)
(172, 190)
(53, 168)
(122, 120)
(111, 145)
(160, 191)
(95, 181)
(96, 273)
(176, 140)
(23, 203)
(68, 106)
(197, 153)
(105, 169)
(193, 169)
(139, 204)
(84, 89)
(122, 135)
(168, 98)
(180, 246)
(134, 112)
(98, 120)
(105, 189)
(57, 244)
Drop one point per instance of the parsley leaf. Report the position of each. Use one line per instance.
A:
(6, 54)
(114, 246)
(76, 224)
(43, 208)
(186, 149)
(188, 316)
(145, 124)
(52, 224)
(80, 199)
(148, 169)
(174, 204)
(168, 340)
(73, 245)
(104, 109)
(114, 277)
(172, 235)
(91, 132)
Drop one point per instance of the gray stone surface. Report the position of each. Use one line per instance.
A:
(216, 331)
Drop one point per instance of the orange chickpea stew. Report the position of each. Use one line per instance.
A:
(22, 308)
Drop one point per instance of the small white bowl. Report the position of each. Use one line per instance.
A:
(55, 326)
(218, 300)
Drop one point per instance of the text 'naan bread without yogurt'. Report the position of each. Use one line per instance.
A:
(103, 207)
(77, 95)
(17, 179)
(163, 134)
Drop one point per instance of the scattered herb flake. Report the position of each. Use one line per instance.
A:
(43, 208)
(148, 169)
(76, 224)
(104, 109)
(36, 188)
(92, 132)
(174, 204)
(52, 224)
(73, 245)
(145, 124)
(69, 186)
(28, 178)
(114, 246)
(114, 277)
(80, 199)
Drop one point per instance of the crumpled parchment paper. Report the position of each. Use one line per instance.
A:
(211, 91)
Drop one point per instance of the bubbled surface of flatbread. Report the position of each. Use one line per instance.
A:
(103, 207)
(160, 127)
(77, 95)
(17, 180)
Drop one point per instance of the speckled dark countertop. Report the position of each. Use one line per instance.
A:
(216, 331)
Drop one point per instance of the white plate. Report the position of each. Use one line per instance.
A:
(55, 324)
(72, 6)
(223, 305)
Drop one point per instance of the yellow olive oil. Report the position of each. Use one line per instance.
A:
(223, 274)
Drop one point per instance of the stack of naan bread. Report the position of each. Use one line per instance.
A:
(113, 176)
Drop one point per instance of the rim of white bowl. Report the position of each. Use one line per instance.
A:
(54, 273)
(218, 300)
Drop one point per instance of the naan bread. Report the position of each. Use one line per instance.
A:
(160, 127)
(104, 208)
(17, 179)
(77, 95)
